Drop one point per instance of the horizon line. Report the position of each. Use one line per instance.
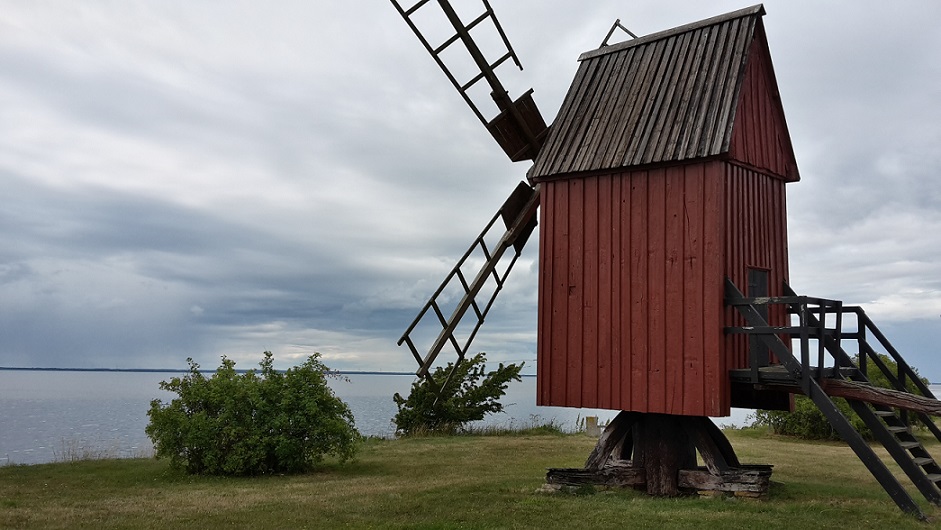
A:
(185, 370)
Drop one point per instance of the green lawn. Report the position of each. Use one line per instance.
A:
(454, 482)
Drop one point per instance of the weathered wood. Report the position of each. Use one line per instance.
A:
(658, 453)
(715, 453)
(620, 474)
(662, 448)
(722, 443)
(752, 479)
(612, 439)
(881, 396)
(866, 392)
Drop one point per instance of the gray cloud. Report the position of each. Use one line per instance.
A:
(196, 180)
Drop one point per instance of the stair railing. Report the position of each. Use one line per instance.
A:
(904, 373)
(865, 328)
(811, 313)
(813, 327)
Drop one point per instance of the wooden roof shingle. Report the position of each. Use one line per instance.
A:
(669, 96)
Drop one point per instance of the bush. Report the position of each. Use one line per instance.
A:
(251, 423)
(470, 395)
(808, 422)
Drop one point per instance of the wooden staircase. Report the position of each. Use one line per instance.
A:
(821, 323)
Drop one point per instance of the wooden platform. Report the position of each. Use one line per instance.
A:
(780, 374)
(778, 378)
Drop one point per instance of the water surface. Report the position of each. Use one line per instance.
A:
(48, 416)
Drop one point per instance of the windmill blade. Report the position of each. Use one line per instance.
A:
(519, 219)
(518, 127)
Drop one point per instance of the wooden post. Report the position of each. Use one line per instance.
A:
(662, 448)
(591, 426)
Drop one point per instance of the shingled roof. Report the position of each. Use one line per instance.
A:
(669, 96)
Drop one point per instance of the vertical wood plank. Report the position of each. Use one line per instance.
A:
(619, 334)
(673, 291)
(576, 290)
(639, 361)
(757, 217)
(656, 308)
(693, 346)
(559, 301)
(625, 294)
(607, 233)
(589, 314)
(715, 234)
(544, 281)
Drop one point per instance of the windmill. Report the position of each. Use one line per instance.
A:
(660, 190)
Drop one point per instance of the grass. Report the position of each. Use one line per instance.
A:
(447, 482)
(72, 450)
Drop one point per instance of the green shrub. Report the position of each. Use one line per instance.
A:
(809, 423)
(471, 394)
(251, 423)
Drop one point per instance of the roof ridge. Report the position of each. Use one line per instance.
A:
(757, 9)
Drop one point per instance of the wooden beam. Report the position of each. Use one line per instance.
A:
(868, 393)
(617, 431)
(881, 396)
(751, 480)
(620, 474)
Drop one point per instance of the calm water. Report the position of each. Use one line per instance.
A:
(50, 416)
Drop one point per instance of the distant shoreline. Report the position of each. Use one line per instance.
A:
(174, 370)
(185, 370)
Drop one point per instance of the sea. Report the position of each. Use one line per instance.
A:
(56, 416)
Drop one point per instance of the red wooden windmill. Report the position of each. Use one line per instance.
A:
(662, 190)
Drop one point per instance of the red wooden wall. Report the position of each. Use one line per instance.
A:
(632, 271)
(630, 291)
(756, 237)
(760, 138)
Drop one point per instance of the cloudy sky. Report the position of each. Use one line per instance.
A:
(191, 179)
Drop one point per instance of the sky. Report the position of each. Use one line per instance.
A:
(196, 179)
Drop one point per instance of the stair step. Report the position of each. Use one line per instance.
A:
(884, 413)
(921, 461)
(909, 445)
(935, 477)
(897, 428)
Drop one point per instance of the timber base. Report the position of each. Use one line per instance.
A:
(657, 453)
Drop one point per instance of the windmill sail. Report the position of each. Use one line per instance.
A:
(518, 127)
(519, 218)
